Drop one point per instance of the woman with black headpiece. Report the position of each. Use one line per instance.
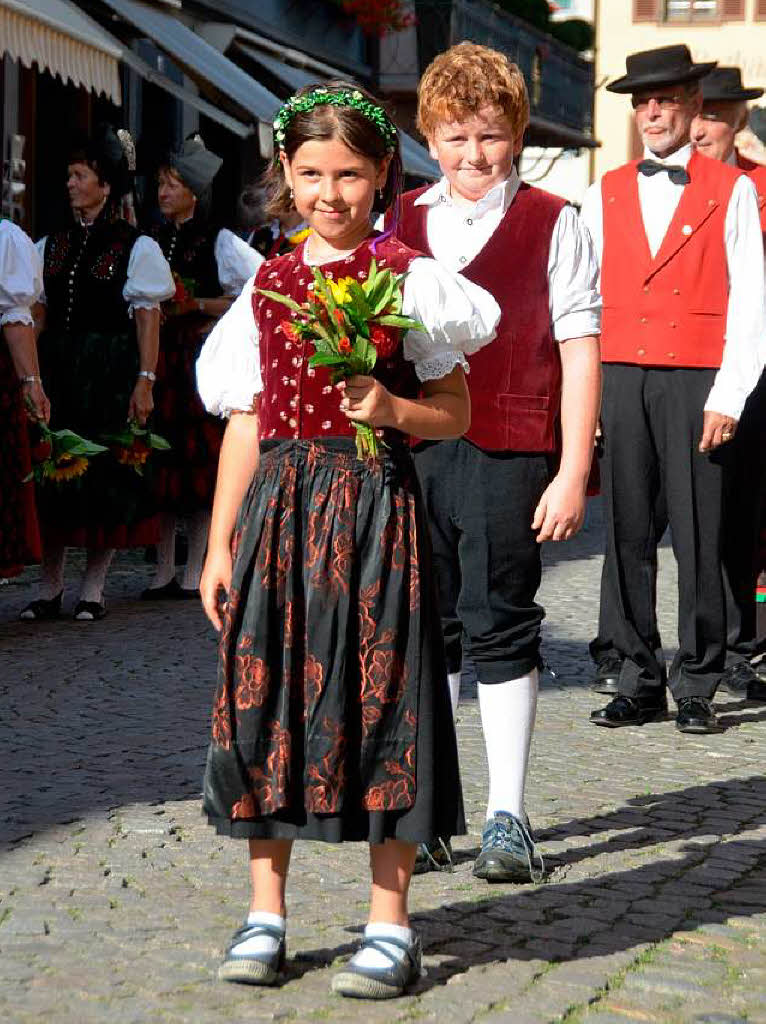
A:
(103, 284)
(211, 266)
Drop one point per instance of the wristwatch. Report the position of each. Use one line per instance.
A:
(149, 374)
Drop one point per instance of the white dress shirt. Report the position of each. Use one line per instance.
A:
(459, 318)
(744, 351)
(458, 233)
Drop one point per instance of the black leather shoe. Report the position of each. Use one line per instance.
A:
(757, 690)
(607, 676)
(696, 715)
(630, 711)
(737, 678)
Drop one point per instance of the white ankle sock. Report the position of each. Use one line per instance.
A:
(263, 943)
(96, 568)
(166, 553)
(508, 720)
(373, 957)
(453, 681)
(197, 528)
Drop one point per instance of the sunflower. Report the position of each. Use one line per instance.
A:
(68, 467)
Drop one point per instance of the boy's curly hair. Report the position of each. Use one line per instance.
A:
(466, 78)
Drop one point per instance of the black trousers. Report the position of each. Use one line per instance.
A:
(744, 502)
(486, 557)
(653, 476)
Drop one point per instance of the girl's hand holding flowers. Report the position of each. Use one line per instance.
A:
(365, 400)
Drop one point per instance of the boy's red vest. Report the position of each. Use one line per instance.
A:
(669, 310)
(515, 381)
(757, 174)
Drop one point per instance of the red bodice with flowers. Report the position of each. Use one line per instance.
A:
(299, 401)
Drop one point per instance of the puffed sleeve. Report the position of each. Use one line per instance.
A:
(458, 315)
(150, 280)
(236, 261)
(40, 247)
(21, 275)
(229, 365)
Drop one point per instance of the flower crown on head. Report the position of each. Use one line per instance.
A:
(321, 96)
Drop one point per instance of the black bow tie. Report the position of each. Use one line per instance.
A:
(677, 174)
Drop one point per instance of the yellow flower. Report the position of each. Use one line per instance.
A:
(340, 290)
(68, 467)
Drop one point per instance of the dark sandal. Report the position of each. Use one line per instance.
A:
(89, 611)
(254, 968)
(381, 982)
(42, 610)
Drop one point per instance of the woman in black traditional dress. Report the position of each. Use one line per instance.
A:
(332, 718)
(211, 265)
(20, 385)
(103, 284)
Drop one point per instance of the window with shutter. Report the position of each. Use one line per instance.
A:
(646, 10)
(733, 10)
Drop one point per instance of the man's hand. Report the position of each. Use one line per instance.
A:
(717, 429)
(561, 509)
(141, 401)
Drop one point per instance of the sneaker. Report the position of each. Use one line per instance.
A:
(508, 851)
(381, 982)
(253, 968)
(435, 855)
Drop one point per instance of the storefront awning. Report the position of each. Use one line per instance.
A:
(59, 38)
(213, 72)
(415, 157)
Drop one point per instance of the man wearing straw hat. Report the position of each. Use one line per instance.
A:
(682, 278)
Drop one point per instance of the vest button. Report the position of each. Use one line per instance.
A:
(644, 320)
(642, 352)
(646, 287)
(671, 355)
(676, 291)
(672, 324)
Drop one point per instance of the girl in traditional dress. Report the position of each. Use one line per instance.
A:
(212, 265)
(20, 384)
(332, 718)
(103, 284)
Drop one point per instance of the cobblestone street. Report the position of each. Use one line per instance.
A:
(117, 900)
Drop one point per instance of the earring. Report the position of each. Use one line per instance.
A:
(292, 194)
(380, 194)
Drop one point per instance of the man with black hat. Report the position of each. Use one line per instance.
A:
(723, 114)
(682, 278)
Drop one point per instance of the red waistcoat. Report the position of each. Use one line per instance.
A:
(669, 310)
(515, 381)
(757, 174)
(298, 401)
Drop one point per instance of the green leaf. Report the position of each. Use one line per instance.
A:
(391, 320)
(161, 444)
(328, 359)
(284, 299)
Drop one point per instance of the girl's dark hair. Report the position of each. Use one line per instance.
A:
(325, 122)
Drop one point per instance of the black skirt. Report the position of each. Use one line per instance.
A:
(332, 718)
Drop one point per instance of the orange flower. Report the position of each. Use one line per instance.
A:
(385, 342)
(289, 331)
(344, 346)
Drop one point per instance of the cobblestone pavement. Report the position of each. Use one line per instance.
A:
(116, 900)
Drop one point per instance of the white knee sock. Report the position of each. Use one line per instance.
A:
(53, 572)
(96, 568)
(264, 943)
(197, 530)
(166, 552)
(508, 719)
(453, 681)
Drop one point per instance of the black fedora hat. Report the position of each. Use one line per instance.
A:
(667, 65)
(725, 85)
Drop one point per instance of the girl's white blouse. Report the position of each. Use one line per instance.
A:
(149, 280)
(458, 315)
(21, 275)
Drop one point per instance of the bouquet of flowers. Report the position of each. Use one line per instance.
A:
(133, 445)
(184, 293)
(60, 455)
(350, 323)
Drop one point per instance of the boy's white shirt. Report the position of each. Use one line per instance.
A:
(458, 233)
(745, 346)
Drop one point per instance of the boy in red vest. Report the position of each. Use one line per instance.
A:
(494, 495)
(682, 278)
(723, 114)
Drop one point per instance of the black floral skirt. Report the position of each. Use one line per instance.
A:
(332, 718)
